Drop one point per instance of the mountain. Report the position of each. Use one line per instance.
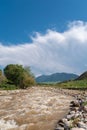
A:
(82, 76)
(56, 77)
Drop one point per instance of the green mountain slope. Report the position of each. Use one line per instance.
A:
(82, 76)
(56, 77)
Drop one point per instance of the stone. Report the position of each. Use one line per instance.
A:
(74, 109)
(75, 103)
(77, 128)
(76, 119)
(72, 112)
(85, 108)
(59, 128)
(64, 120)
(71, 116)
(61, 124)
(82, 125)
(68, 124)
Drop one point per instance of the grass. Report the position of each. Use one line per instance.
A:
(75, 84)
(6, 86)
(85, 103)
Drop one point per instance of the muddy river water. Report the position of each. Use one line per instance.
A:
(37, 108)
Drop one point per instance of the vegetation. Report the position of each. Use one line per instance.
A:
(56, 77)
(74, 84)
(85, 103)
(82, 76)
(15, 76)
(78, 83)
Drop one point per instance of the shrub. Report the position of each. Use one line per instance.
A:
(19, 76)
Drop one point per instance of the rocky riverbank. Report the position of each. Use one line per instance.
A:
(76, 119)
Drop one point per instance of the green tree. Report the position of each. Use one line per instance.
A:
(2, 77)
(27, 80)
(18, 75)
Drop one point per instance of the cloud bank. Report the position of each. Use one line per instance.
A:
(52, 52)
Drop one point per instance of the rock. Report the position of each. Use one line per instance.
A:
(81, 108)
(64, 120)
(66, 128)
(61, 123)
(85, 108)
(59, 128)
(72, 112)
(75, 103)
(71, 116)
(78, 114)
(76, 119)
(77, 128)
(82, 125)
(85, 120)
(74, 109)
(68, 124)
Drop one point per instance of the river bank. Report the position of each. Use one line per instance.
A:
(76, 118)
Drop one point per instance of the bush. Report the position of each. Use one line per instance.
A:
(27, 81)
(19, 76)
(6, 86)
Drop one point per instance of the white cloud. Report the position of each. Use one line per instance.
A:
(52, 52)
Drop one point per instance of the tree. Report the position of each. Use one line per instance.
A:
(18, 75)
(27, 80)
(2, 77)
(28, 71)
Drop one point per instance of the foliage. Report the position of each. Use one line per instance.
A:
(85, 103)
(0, 72)
(6, 86)
(2, 77)
(13, 73)
(83, 76)
(56, 77)
(71, 84)
(27, 80)
(18, 75)
(28, 71)
(74, 84)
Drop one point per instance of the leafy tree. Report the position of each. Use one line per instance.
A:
(27, 80)
(28, 71)
(0, 72)
(18, 75)
(2, 77)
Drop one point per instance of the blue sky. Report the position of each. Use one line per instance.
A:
(47, 35)
(20, 18)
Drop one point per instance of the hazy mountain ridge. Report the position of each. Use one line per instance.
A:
(56, 77)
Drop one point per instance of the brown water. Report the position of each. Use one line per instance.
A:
(33, 109)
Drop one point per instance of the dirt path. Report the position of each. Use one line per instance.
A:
(33, 109)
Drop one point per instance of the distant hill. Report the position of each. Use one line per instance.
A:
(56, 77)
(82, 76)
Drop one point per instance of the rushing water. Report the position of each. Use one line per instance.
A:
(33, 109)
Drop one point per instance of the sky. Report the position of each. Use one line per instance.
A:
(48, 35)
